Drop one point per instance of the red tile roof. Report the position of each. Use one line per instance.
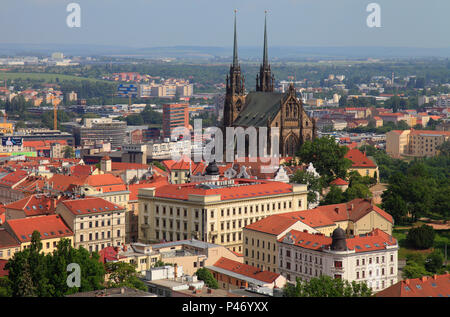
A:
(275, 224)
(13, 178)
(375, 240)
(434, 286)
(157, 182)
(7, 240)
(82, 170)
(339, 182)
(121, 166)
(249, 188)
(66, 182)
(34, 205)
(90, 205)
(246, 270)
(50, 227)
(359, 159)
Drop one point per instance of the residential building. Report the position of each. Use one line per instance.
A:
(419, 143)
(96, 223)
(213, 211)
(234, 275)
(52, 229)
(362, 164)
(369, 258)
(8, 244)
(260, 239)
(356, 217)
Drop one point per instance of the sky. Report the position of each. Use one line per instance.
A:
(154, 23)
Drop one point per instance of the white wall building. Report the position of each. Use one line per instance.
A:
(370, 258)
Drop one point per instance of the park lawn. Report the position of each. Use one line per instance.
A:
(47, 77)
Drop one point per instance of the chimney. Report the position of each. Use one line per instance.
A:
(423, 278)
(407, 281)
(435, 276)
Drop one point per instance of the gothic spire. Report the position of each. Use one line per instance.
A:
(265, 80)
(265, 55)
(235, 54)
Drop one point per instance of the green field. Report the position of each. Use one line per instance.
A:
(46, 77)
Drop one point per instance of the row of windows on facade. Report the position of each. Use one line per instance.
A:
(108, 235)
(263, 256)
(99, 247)
(298, 256)
(263, 243)
(97, 224)
(233, 211)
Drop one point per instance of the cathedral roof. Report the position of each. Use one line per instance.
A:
(259, 107)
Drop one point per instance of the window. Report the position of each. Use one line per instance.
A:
(357, 262)
(338, 264)
(357, 275)
(81, 225)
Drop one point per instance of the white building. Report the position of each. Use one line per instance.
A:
(370, 258)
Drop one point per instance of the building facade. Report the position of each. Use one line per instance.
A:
(175, 116)
(370, 258)
(214, 211)
(95, 222)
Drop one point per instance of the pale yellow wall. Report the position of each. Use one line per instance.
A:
(48, 245)
(366, 171)
(8, 252)
(372, 221)
(234, 216)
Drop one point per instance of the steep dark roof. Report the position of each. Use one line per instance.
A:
(259, 106)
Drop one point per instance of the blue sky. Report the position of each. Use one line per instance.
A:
(150, 23)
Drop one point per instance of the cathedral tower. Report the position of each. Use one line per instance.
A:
(265, 79)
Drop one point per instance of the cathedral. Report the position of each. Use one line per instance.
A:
(264, 107)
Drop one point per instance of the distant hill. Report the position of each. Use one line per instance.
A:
(208, 53)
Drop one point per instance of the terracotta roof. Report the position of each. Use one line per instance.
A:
(66, 182)
(7, 240)
(308, 240)
(435, 132)
(249, 188)
(310, 217)
(50, 227)
(13, 178)
(134, 188)
(82, 170)
(128, 166)
(246, 270)
(90, 205)
(275, 224)
(434, 286)
(359, 159)
(339, 182)
(34, 205)
(375, 240)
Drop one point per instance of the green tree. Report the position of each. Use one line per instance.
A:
(206, 276)
(314, 184)
(444, 148)
(357, 190)
(326, 286)
(327, 157)
(334, 196)
(421, 237)
(69, 152)
(123, 274)
(414, 270)
(434, 262)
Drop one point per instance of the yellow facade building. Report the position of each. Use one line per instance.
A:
(213, 211)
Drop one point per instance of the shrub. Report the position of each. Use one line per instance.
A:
(421, 237)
